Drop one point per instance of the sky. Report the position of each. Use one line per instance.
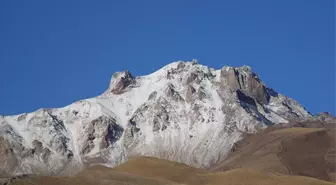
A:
(53, 53)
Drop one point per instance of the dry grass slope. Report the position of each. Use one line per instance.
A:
(151, 171)
(248, 177)
(297, 130)
(292, 151)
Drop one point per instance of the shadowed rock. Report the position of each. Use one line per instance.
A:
(111, 133)
(120, 81)
(171, 93)
(190, 91)
(248, 82)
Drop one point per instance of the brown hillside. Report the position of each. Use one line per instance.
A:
(151, 171)
(292, 151)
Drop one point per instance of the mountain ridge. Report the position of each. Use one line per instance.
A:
(185, 112)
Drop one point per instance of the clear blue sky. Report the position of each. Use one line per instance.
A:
(53, 53)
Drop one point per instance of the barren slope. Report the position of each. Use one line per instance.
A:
(293, 151)
(151, 171)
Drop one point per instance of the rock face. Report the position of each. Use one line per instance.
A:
(248, 82)
(120, 82)
(184, 112)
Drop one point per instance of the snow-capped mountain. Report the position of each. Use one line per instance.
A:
(184, 112)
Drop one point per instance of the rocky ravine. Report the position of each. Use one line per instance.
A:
(184, 112)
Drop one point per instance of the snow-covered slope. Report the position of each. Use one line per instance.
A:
(184, 112)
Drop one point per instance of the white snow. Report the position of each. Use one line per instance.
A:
(195, 137)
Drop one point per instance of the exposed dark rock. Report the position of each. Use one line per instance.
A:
(173, 71)
(114, 132)
(191, 77)
(46, 153)
(74, 112)
(248, 82)
(271, 92)
(189, 93)
(194, 62)
(325, 116)
(152, 96)
(22, 117)
(171, 93)
(28, 153)
(131, 130)
(161, 119)
(9, 158)
(243, 98)
(121, 81)
(201, 94)
(181, 65)
(61, 141)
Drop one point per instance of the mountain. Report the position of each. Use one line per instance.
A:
(151, 171)
(184, 112)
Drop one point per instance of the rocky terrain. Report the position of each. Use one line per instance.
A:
(184, 112)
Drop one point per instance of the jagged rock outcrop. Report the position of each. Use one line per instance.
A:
(320, 120)
(248, 82)
(184, 112)
(120, 81)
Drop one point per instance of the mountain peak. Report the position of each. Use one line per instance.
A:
(185, 112)
(120, 81)
(244, 79)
